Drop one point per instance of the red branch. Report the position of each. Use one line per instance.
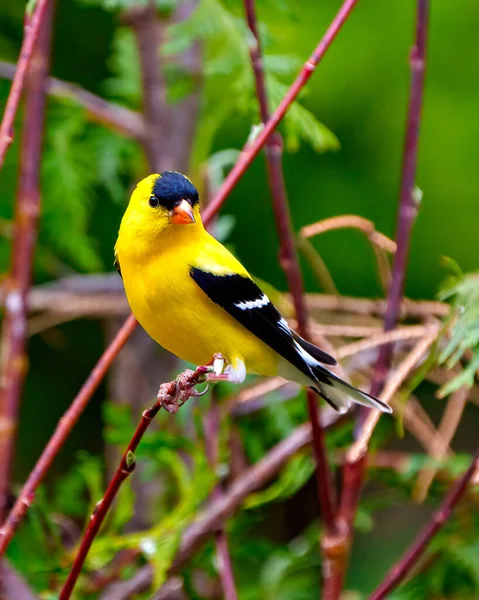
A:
(61, 433)
(14, 361)
(32, 30)
(411, 558)
(170, 397)
(211, 428)
(290, 264)
(353, 474)
(246, 158)
(408, 200)
(250, 151)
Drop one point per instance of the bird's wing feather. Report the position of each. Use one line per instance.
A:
(317, 353)
(240, 297)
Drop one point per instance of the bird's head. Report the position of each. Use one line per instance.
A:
(163, 201)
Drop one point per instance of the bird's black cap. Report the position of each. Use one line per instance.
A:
(172, 187)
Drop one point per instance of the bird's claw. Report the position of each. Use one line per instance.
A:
(174, 394)
(197, 394)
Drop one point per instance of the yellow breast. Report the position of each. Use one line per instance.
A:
(175, 311)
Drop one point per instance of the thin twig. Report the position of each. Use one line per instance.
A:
(250, 151)
(14, 361)
(353, 222)
(360, 446)
(444, 435)
(289, 261)
(353, 472)
(409, 199)
(413, 309)
(211, 427)
(404, 333)
(411, 558)
(123, 120)
(31, 33)
(380, 244)
(419, 425)
(170, 397)
(317, 264)
(61, 433)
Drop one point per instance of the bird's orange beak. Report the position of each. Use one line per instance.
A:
(182, 214)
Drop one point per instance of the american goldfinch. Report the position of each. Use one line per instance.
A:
(197, 300)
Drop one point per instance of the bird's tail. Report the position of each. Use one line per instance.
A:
(339, 394)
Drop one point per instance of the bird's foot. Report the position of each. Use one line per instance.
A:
(174, 394)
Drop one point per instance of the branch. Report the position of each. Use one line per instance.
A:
(410, 559)
(250, 151)
(410, 309)
(409, 199)
(61, 433)
(447, 428)
(31, 33)
(360, 446)
(353, 473)
(13, 365)
(381, 245)
(171, 396)
(289, 262)
(124, 120)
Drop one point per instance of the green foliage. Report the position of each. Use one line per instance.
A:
(159, 543)
(225, 39)
(288, 572)
(450, 568)
(463, 292)
(291, 479)
(125, 83)
(69, 175)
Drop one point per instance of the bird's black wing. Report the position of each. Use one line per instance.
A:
(240, 297)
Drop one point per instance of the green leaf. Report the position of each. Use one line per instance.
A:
(68, 173)
(291, 478)
(125, 85)
(463, 292)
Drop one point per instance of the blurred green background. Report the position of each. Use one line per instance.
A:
(359, 92)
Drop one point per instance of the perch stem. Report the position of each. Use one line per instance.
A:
(289, 262)
(61, 433)
(14, 360)
(171, 396)
(353, 472)
(410, 559)
(32, 30)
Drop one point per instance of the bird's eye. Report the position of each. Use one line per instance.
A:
(153, 202)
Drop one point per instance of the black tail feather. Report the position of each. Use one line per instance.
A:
(320, 355)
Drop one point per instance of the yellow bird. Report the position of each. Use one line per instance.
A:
(197, 300)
